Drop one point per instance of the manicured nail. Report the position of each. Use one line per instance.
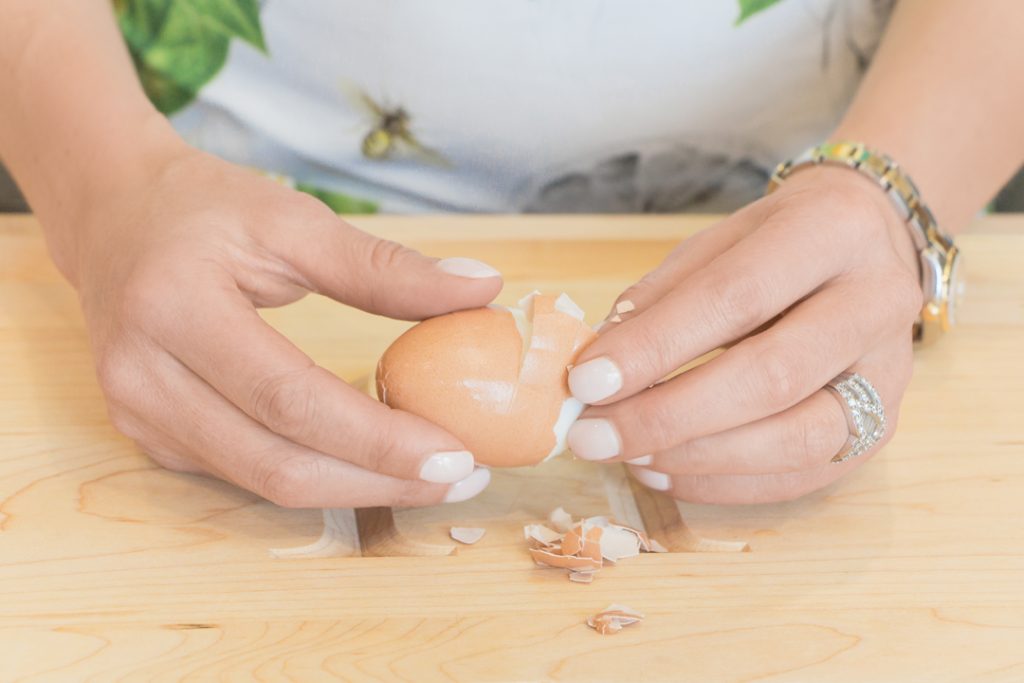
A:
(468, 487)
(595, 380)
(642, 460)
(594, 439)
(447, 467)
(467, 267)
(659, 481)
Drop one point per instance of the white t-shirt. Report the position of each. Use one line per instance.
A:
(539, 105)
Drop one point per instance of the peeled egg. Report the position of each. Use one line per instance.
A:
(495, 377)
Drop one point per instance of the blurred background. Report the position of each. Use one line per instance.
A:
(1011, 198)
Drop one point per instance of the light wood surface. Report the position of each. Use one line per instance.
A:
(911, 569)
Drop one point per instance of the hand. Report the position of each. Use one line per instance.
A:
(170, 275)
(818, 278)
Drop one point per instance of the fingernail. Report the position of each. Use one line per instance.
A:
(642, 460)
(468, 487)
(594, 439)
(446, 467)
(659, 481)
(595, 380)
(467, 267)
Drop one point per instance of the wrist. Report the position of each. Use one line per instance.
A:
(103, 181)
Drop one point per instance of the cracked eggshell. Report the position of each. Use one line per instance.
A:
(494, 377)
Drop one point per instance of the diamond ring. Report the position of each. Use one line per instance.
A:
(865, 415)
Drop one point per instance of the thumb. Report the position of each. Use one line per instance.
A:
(333, 258)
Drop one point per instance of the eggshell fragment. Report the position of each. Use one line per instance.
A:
(613, 618)
(577, 576)
(584, 546)
(548, 558)
(466, 534)
(560, 519)
(542, 535)
(494, 377)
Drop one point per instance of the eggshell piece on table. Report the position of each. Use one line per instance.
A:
(584, 546)
(467, 535)
(494, 377)
(613, 618)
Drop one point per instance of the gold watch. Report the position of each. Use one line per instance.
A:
(941, 261)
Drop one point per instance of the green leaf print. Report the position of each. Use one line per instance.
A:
(749, 8)
(233, 18)
(339, 203)
(179, 45)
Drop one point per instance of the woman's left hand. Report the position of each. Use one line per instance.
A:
(829, 254)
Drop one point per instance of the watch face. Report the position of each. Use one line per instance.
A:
(955, 287)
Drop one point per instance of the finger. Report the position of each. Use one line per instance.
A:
(168, 454)
(231, 445)
(160, 447)
(690, 255)
(228, 345)
(334, 258)
(747, 489)
(762, 375)
(804, 437)
(763, 274)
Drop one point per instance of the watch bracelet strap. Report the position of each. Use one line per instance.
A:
(901, 190)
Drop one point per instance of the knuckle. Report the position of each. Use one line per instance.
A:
(286, 482)
(382, 257)
(656, 424)
(386, 255)
(382, 447)
(306, 208)
(167, 459)
(119, 378)
(907, 298)
(411, 494)
(656, 350)
(813, 441)
(285, 403)
(737, 303)
(777, 378)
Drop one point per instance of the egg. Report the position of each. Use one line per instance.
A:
(495, 377)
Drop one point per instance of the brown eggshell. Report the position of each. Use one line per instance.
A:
(468, 372)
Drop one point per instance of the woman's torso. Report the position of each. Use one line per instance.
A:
(537, 105)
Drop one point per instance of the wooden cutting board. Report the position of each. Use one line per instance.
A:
(911, 569)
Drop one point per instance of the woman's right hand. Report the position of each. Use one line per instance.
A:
(170, 272)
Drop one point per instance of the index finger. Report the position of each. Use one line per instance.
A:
(739, 290)
(226, 343)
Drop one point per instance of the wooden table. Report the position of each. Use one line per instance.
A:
(911, 569)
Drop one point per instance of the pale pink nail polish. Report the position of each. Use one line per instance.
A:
(467, 267)
(594, 439)
(595, 380)
(468, 487)
(446, 467)
(659, 481)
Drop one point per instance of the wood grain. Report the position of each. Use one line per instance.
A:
(911, 569)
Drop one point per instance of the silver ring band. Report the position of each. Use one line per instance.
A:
(865, 415)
